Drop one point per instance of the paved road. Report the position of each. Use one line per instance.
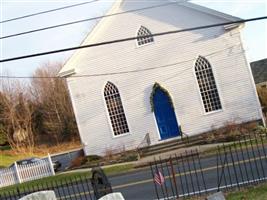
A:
(188, 174)
(248, 166)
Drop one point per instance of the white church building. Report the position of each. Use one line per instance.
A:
(157, 85)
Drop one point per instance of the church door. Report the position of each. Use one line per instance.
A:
(165, 116)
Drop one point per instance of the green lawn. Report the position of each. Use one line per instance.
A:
(59, 179)
(252, 193)
(7, 159)
(258, 192)
(64, 178)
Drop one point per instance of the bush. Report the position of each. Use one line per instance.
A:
(92, 158)
(230, 132)
(96, 160)
(92, 161)
(3, 137)
(129, 157)
(3, 148)
(78, 162)
(260, 130)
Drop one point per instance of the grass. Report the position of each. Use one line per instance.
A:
(64, 178)
(5, 148)
(236, 145)
(60, 179)
(119, 169)
(258, 192)
(251, 193)
(9, 156)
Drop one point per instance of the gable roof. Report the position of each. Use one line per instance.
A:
(259, 70)
(209, 11)
(68, 69)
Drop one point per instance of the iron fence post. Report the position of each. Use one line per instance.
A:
(234, 166)
(195, 169)
(174, 178)
(162, 169)
(152, 173)
(180, 174)
(170, 177)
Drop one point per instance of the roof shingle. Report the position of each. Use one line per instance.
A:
(259, 70)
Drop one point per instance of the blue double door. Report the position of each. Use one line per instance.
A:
(165, 116)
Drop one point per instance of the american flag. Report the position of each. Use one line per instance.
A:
(159, 178)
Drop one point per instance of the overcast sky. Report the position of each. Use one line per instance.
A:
(254, 33)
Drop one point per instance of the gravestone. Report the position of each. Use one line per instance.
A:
(216, 196)
(100, 183)
(41, 195)
(112, 196)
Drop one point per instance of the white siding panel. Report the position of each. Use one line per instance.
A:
(168, 61)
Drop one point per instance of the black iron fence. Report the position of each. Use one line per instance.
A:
(232, 165)
(67, 188)
(227, 166)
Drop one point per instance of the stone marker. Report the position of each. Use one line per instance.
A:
(216, 196)
(112, 196)
(41, 195)
(100, 183)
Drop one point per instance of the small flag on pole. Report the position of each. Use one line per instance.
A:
(159, 178)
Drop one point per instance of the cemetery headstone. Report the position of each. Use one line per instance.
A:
(216, 196)
(113, 196)
(41, 195)
(100, 183)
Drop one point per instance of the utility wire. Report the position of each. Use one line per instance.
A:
(84, 20)
(47, 11)
(130, 38)
(121, 72)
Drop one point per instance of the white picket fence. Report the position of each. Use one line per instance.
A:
(22, 173)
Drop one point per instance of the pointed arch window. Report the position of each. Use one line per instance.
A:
(148, 38)
(115, 109)
(207, 85)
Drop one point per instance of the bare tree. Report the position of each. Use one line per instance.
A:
(37, 111)
(54, 105)
(16, 116)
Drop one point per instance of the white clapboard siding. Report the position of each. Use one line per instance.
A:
(24, 173)
(222, 48)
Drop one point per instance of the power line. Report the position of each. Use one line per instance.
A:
(129, 39)
(122, 72)
(47, 11)
(84, 20)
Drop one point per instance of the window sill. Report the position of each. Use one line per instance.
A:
(143, 45)
(121, 135)
(213, 112)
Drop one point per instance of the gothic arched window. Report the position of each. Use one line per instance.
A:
(207, 85)
(115, 109)
(144, 36)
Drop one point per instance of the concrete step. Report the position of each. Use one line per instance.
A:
(163, 150)
(164, 145)
(170, 146)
